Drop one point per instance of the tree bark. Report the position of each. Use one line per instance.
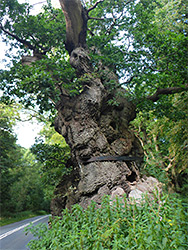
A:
(92, 127)
(76, 24)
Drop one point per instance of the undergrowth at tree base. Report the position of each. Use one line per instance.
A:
(157, 224)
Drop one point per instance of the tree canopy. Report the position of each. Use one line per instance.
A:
(143, 42)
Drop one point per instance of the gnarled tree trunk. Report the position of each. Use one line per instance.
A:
(93, 128)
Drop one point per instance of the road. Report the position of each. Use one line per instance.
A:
(13, 237)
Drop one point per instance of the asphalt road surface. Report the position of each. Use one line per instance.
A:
(13, 237)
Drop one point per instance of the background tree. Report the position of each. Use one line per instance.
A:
(162, 122)
(9, 154)
(142, 43)
(27, 192)
(21, 184)
(51, 150)
(165, 142)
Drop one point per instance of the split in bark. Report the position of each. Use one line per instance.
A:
(76, 24)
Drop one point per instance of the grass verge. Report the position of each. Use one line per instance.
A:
(11, 218)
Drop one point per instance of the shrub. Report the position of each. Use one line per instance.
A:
(160, 224)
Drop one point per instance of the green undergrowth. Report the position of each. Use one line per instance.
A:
(8, 218)
(158, 224)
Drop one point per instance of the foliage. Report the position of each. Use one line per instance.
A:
(162, 33)
(21, 185)
(9, 153)
(37, 34)
(27, 191)
(51, 150)
(160, 224)
(164, 140)
(143, 42)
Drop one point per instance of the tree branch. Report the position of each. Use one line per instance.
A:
(129, 1)
(28, 44)
(38, 3)
(95, 5)
(166, 91)
(25, 42)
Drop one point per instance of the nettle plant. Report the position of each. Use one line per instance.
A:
(157, 224)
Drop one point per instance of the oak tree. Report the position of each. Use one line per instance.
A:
(93, 62)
